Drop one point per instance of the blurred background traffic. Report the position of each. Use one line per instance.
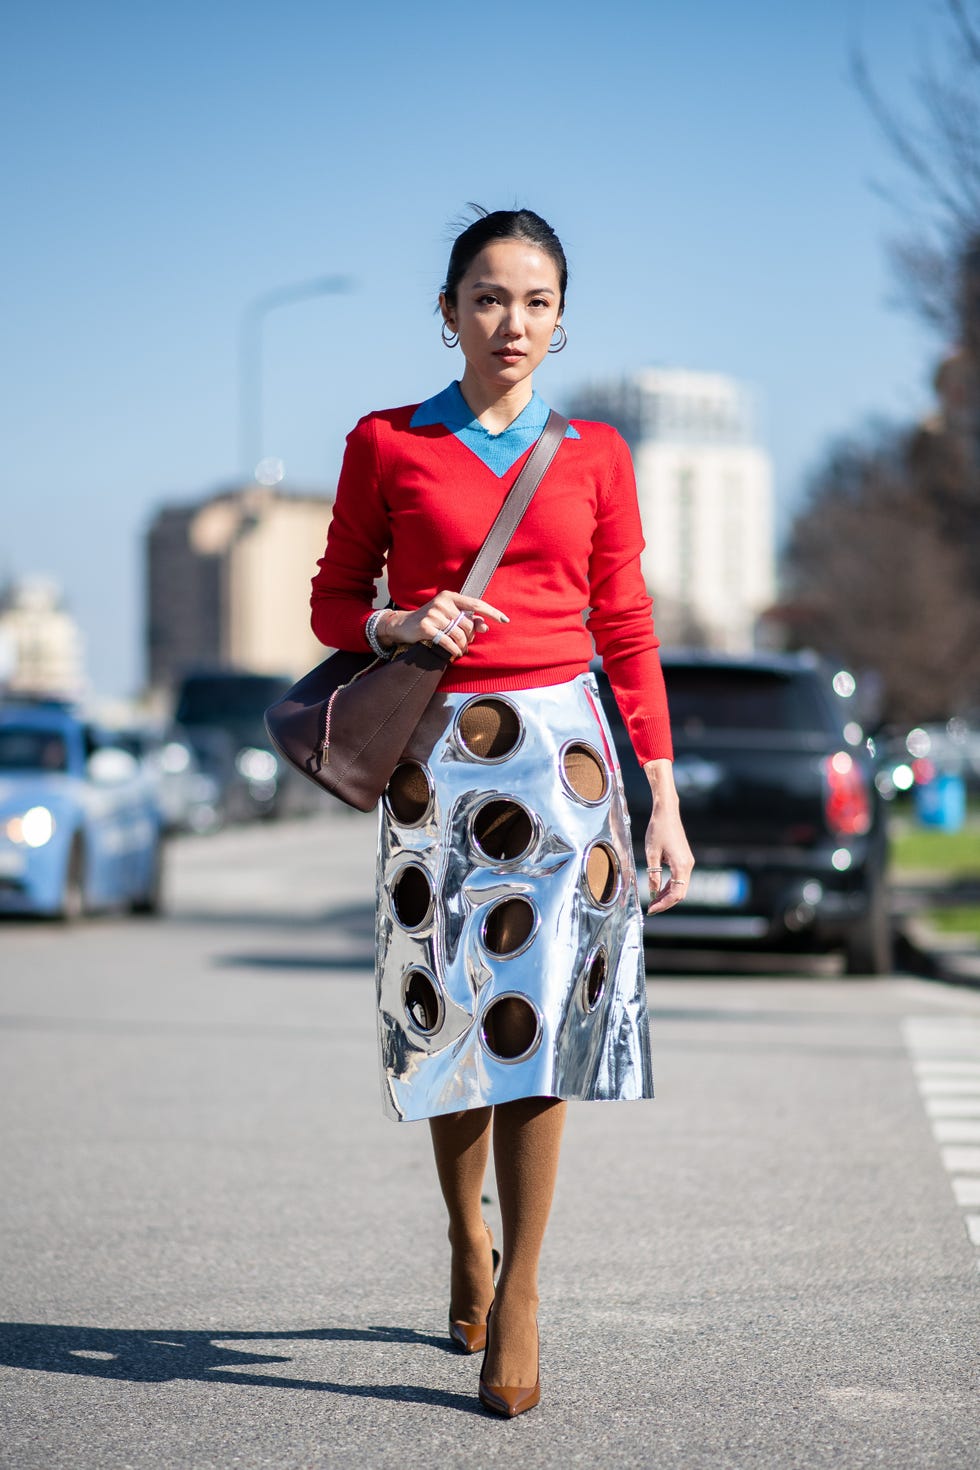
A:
(793, 360)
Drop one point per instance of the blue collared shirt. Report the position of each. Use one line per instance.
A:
(497, 451)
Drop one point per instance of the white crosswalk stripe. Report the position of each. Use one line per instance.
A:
(948, 1069)
(953, 1107)
(956, 1130)
(962, 1160)
(952, 1086)
(945, 1054)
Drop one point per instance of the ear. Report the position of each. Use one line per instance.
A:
(448, 315)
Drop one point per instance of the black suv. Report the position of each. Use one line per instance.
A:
(221, 713)
(779, 805)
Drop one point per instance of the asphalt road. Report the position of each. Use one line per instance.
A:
(216, 1252)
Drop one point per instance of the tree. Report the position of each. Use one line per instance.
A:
(878, 583)
(938, 153)
(937, 258)
(883, 562)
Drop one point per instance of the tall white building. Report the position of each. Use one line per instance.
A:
(41, 648)
(705, 491)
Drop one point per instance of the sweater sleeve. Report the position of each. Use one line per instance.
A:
(345, 585)
(621, 617)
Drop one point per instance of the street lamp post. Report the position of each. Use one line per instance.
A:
(250, 357)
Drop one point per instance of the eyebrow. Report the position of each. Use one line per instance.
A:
(495, 286)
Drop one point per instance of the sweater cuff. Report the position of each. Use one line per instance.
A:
(651, 739)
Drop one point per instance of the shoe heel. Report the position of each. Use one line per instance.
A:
(471, 1337)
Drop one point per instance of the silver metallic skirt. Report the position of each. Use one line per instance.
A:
(509, 931)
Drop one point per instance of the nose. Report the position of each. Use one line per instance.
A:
(512, 324)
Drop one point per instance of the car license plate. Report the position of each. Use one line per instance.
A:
(713, 888)
(718, 888)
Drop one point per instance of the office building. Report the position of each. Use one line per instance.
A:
(705, 493)
(42, 652)
(228, 583)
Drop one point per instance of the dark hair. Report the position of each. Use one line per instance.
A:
(503, 224)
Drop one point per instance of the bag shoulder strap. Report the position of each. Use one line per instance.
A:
(512, 511)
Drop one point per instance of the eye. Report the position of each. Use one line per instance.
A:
(540, 301)
(487, 299)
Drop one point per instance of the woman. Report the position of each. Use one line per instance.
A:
(510, 958)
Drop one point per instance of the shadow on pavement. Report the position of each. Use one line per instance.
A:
(353, 926)
(161, 1356)
(735, 964)
(285, 961)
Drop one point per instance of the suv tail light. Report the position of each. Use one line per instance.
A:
(846, 803)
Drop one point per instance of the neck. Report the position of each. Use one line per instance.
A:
(496, 411)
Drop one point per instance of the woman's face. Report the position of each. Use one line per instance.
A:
(507, 307)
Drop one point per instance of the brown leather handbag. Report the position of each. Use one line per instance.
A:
(346, 723)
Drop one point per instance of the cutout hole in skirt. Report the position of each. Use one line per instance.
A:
(409, 794)
(511, 1028)
(422, 1002)
(594, 984)
(509, 926)
(584, 772)
(602, 873)
(502, 830)
(489, 729)
(411, 897)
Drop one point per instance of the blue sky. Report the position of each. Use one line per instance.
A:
(708, 166)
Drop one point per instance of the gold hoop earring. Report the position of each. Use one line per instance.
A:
(453, 339)
(562, 340)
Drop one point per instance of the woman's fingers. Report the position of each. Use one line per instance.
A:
(477, 605)
(458, 632)
(449, 621)
(453, 621)
(443, 624)
(658, 889)
(666, 894)
(673, 857)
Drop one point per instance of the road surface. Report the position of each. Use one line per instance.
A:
(217, 1252)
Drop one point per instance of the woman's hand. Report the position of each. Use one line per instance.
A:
(666, 844)
(449, 621)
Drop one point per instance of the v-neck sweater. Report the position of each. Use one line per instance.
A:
(500, 451)
(419, 501)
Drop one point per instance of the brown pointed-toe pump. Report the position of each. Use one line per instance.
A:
(471, 1337)
(508, 1401)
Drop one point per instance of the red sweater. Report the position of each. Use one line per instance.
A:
(419, 499)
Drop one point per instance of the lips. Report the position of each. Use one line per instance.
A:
(509, 352)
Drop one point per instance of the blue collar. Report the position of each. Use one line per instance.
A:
(497, 451)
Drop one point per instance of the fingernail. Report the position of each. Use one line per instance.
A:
(503, 617)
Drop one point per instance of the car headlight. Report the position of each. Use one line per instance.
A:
(174, 758)
(256, 765)
(33, 829)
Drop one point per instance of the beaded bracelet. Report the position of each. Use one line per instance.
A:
(371, 634)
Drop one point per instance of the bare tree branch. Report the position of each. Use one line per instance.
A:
(970, 37)
(884, 559)
(938, 153)
(899, 140)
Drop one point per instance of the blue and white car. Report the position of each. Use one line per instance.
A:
(79, 826)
